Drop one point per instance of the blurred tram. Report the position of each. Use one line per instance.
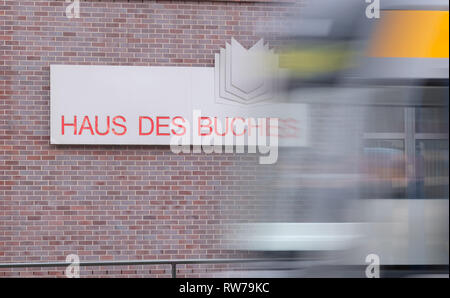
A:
(375, 178)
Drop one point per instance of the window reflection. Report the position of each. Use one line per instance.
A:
(384, 169)
(431, 169)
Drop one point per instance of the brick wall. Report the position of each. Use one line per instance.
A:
(116, 202)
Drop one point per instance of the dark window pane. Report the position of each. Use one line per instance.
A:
(384, 169)
(385, 119)
(432, 168)
(432, 120)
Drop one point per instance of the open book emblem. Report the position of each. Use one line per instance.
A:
(245, 76)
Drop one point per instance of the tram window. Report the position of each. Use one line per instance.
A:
(384, 169)
(385, 120)
(432, 120)
(432, 170)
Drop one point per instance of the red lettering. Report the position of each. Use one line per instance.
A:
(141, 133)
(159, 125)
(107, 126)
(178, 125)
(114, 121)
(260, 125)
(63, 124)
(277, 127)
(290, 130)
(200, 126)
(83, 126)
(226, 127)
(232, 127)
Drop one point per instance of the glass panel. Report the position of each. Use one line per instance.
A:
(432, 120)
(385, 119)
(384, 169)
(432, 168)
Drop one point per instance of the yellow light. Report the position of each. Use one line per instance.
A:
(411, 34)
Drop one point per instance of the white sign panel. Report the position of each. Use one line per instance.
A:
(149, 105)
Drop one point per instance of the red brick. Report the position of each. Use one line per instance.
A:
(115, 202)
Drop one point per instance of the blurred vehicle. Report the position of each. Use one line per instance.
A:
(375, 178)
(384, 170)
